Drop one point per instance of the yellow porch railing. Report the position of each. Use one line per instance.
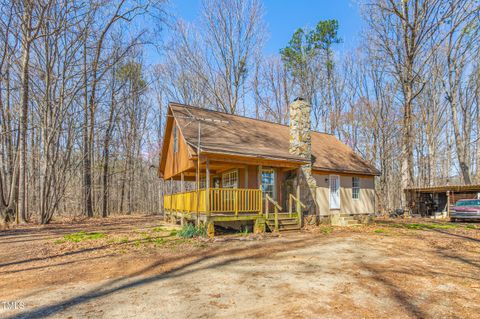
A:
(216, 200)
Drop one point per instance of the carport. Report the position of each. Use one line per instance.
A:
(437, 200)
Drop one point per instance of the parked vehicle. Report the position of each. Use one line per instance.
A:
(465, 209)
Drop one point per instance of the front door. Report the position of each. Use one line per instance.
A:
(334, 192)
(268, 182)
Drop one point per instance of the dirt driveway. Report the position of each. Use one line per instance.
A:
(135, 267)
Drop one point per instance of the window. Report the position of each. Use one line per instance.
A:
(230, 179)
(268, 182)
(175, 140)
(355, 187)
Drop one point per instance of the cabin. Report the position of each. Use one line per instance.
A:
(259, 175)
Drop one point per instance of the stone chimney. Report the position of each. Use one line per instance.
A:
(300, 136)
(301, 145)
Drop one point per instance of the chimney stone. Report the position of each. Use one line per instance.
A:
(300, 136)
(301, 145)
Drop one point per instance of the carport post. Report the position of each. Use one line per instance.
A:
(448, 204)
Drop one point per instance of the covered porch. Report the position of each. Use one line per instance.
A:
(237, 191)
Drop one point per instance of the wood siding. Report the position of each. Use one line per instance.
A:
(365, 204)
(179, 161)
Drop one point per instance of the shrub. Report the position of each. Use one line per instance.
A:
(190, 231)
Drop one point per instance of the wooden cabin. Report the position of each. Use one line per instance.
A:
(259, 174)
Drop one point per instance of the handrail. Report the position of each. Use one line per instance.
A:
(298, 203)
(276, 207)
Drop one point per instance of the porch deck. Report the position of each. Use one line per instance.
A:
(208, 206)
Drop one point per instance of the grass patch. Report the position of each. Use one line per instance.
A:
(379, 231)
(159, 241)
(190, 231)
(123, 240)
(430, 226)
(471, 227)
(326, 230)
(158, 229)
(80, 236)
(422, 226)
(173, 233)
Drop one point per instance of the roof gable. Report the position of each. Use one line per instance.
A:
(232, 134)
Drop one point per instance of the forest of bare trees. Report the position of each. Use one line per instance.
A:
(82, 111)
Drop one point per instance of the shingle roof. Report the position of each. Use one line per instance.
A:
(233, 134)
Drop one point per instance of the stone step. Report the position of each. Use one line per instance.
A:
(346, 221)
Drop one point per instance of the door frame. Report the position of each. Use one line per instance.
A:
(337, 177)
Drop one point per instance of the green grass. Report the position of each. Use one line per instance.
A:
(123, 240)
(173, 233)
(423, 226)
(158, 229)
(471, 227)
(379, 231)
(80, 236)
(159, 241)
(326, 229)
(190, 231)
(430, 226)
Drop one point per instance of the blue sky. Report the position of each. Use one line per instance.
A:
(283, 17)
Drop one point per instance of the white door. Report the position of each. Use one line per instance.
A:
(334, 192)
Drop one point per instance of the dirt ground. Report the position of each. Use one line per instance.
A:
(137, 267)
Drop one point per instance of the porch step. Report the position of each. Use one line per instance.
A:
(285, 222)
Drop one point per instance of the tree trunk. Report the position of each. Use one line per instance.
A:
(22, 212)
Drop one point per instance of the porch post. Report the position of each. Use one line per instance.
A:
(171, 194)
(259, 176)
(182, 185)
(207, 187)
(259, 182)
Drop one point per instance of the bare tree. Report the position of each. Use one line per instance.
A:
(402, 34)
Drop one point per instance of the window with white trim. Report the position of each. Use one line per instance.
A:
(355, 187)
(268, 182)
(230, 179)
(175, 140)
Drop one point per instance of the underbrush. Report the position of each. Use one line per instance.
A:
(190, 231)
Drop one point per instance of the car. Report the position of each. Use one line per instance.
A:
(465, 209)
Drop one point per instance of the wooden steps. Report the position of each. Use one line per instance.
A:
(286, 222)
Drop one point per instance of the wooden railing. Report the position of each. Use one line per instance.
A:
(216, 200)
(298, 206)
(276, 208)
